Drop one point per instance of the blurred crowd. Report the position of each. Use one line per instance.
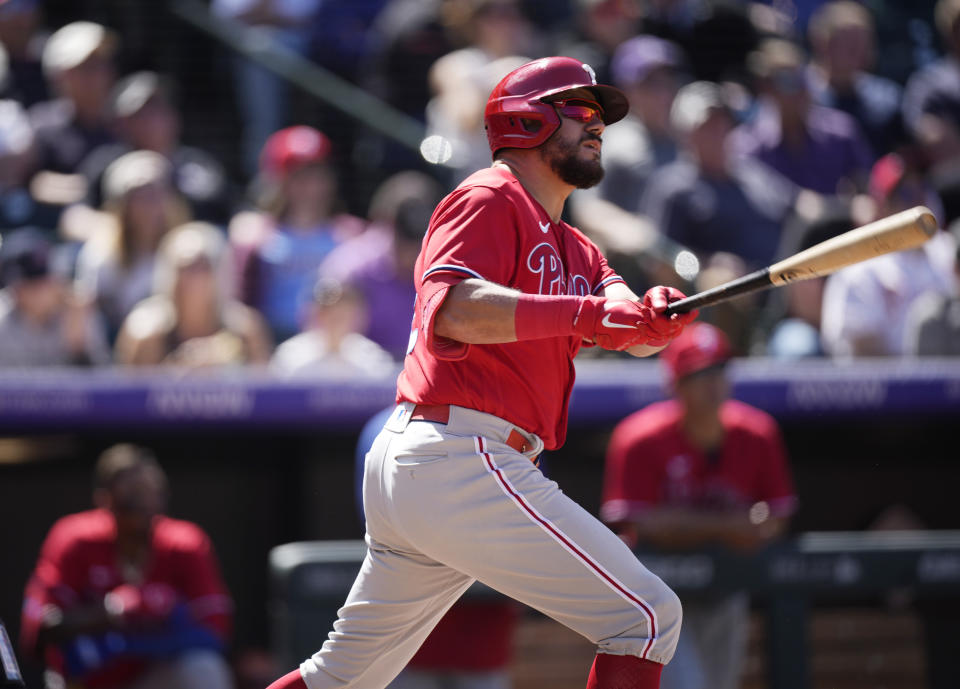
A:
(755, 130)
(146, 221)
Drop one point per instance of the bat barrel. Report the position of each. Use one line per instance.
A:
(905, 230)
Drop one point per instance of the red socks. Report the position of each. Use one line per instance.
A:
(623, 672)
(291, 680)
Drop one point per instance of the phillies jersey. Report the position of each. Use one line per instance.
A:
(490, 228)
(650, 462)
(78, 566)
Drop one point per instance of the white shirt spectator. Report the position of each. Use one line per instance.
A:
(868, 303)
(309, 353)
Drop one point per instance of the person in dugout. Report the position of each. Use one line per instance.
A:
(124, 597)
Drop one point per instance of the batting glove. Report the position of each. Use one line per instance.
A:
(616, 324)
(666, 327)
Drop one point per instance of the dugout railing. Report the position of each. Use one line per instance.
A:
(309, 581)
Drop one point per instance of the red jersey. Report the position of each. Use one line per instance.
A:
(650, 462)
(78, 566)
(490, 228)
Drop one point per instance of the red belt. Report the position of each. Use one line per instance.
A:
(440, 413)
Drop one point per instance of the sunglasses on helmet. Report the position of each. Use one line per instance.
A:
(578, 109)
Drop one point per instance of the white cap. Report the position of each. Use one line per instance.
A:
(694, 103)
(73, 44)
(132, 171)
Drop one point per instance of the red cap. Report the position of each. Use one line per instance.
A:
(290, 149)
(699, 347)
(885, 175)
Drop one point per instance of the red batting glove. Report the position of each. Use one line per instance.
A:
(666, 327)
(615, 324)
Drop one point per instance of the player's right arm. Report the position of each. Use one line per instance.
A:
(477, 311)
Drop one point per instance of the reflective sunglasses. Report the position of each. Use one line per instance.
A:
(580, 110)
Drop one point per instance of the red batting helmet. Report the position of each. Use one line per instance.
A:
(525, 94)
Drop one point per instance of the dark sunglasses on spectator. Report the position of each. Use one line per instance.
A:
(578, 109)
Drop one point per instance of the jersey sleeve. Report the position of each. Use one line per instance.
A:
(630, 480)
(472, 235)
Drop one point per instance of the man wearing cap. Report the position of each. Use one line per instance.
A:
(507, 293)
(41, 323)
(281, 245)
(147, 119)
(707, 200)
(693, 471)
(78, 65)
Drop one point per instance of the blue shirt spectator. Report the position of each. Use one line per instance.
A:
(709, 201)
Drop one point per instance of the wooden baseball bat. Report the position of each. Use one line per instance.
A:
(904, 230)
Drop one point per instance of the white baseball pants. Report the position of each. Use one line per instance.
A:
(449, 504)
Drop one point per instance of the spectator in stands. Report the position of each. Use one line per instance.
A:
(695, 471)
(380, 261)
(708, 200)
(931, 102)
(147, 118)
(124, 597)
(865, 306)
(933, 320)
(18, 159)
(649, 71)
(716, 35)
(42, 323)
(595, 31)
(78, 63)
(405, 39)
(818, 148)
(842, 36)
(789, 325)
(21, 37)
(281, 244)
(191, 320)
(262, 95)
(497, 38)
(331, 343)
(115, 263)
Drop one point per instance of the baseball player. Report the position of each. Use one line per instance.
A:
(506, 295)
(700, 470)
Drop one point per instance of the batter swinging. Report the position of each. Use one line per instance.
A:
(506, 295)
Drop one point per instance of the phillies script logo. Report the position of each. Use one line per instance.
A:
(544, 262)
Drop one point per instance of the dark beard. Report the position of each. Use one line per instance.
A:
(562, 155)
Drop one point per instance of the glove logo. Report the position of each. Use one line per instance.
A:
(606, 322)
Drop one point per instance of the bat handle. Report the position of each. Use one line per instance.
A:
(751, 282)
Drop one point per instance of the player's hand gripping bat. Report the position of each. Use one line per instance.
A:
(904, 230)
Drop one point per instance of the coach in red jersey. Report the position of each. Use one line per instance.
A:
(123, 597)
(507, 293)
(697, 470)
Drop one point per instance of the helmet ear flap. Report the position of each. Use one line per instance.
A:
(526, 127)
